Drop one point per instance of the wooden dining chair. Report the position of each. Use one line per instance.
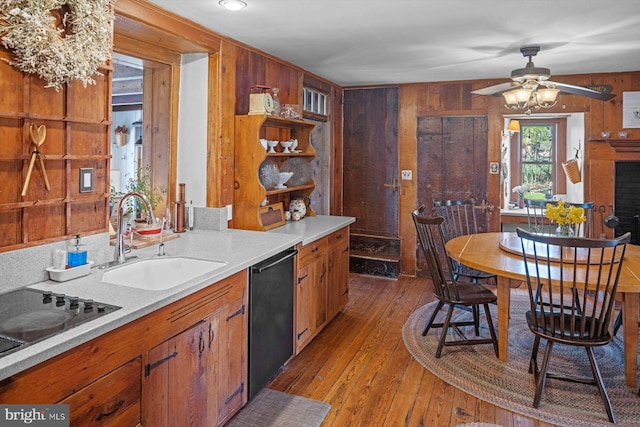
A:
(461, 218)
(575, 307)
(538, 223)
(450, 291)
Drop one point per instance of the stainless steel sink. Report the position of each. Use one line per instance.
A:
(158, 274)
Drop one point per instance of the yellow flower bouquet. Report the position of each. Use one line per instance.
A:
(565, 217)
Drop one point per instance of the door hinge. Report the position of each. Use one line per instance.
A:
(237, 313)
(157, 363)
(234, 394)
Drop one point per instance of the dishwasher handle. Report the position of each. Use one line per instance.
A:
(260, 268)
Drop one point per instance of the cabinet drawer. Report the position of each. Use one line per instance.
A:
(312, 249)
(338, 237)
(113, 400)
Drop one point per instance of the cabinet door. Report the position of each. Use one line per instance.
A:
(338, 276)
(227, 382)
(305, 320)
(174, 390)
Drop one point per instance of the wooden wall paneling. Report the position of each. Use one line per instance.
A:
(336, 115)
(91, 103)
(86, 217)
(407, 142)
(44, 222)
(220, 168)
(44, 102)
(216, 155)
(10, 227)
(11, 86)
(157, 26)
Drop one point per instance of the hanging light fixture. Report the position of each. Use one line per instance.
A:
(531, 96)
(232, 4)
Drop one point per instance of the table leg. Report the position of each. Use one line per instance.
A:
(504, 301)
(630, 306)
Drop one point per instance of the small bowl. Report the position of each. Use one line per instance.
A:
(286, 145)
(283, 177)
(622, 134)
(272, 145)
(605, 135)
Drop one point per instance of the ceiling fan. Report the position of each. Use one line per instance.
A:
(531, 88)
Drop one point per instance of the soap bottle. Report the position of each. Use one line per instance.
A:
(75, 256)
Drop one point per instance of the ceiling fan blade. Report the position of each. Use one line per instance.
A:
(495, 90)
(583, 91)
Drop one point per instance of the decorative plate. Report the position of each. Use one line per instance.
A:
(301, 169)
(268, 174)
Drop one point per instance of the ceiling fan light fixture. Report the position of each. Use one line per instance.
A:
(232, 4)
(517, 99)
(546, 98)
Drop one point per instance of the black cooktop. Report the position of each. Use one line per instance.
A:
(29, 315)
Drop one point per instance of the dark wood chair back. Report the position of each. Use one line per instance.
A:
(431, 235)
(572, 284)
(465, 294)
(460, 217)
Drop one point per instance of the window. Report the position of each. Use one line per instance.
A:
(536, 155)
(314, 104)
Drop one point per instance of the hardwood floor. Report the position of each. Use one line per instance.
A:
(360, 366)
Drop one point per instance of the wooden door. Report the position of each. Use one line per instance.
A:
(228, 336)
(338, 275)
(452, 163)
(174, 390)
(371, 160)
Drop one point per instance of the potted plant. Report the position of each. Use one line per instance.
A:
(121, 132)
(143, 184)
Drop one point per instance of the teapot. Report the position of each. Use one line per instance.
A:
(298, 206)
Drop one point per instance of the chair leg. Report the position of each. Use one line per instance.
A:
(492, 331)
(445, 329)
(432, 318)
(475, 309)
(541, 376)
(598, 377)
(533, 361)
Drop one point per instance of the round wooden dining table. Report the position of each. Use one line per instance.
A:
(491, 252)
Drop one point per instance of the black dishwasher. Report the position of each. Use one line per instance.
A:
(270, 318)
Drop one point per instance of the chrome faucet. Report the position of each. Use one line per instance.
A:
(119, 256)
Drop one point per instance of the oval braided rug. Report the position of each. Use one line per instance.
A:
(477, 371)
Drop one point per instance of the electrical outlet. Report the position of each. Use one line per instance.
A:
(229, 212)
(407, 175)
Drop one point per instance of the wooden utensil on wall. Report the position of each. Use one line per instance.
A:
(37, 137)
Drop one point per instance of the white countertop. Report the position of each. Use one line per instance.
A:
(239, 249)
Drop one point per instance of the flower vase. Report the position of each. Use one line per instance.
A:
(520, 201)
(565, 230)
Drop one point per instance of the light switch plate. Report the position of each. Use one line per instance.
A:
(407, 175)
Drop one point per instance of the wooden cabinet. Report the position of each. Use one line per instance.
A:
(113, 400)
(338, 271)
(249, 155)
(184, 364)
(322, 284)
(196, 378)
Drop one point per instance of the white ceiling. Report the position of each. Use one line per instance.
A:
(366, 42)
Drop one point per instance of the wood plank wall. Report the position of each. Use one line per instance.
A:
(78, 124)
(455, 99)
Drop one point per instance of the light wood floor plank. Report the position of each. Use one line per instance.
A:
(361, 367)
